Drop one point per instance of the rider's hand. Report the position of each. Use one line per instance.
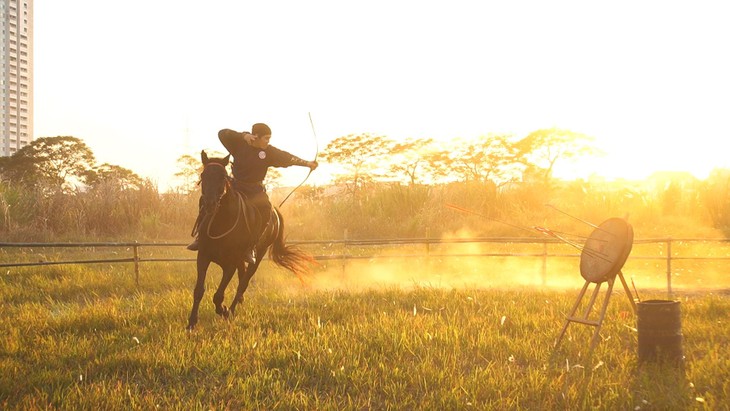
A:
(248, 137)
(312, 165)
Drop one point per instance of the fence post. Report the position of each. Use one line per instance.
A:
(428, 242)
(669, 266)
(344, 252)
(544, 263)
(136, 264)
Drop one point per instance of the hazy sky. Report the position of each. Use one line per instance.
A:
(143, 82)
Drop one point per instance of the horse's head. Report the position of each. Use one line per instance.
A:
(214, 180)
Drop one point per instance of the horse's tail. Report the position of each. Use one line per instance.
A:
(288, 256)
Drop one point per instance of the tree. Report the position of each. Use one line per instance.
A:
(408, 158)
(361, 155)
(113, 175)
(189, 168)
(273, 178)
(490, 158)
(54, 163)
(716, 197)
(542, 149)
(18, 169)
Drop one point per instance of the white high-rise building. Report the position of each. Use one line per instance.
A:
(16, 86)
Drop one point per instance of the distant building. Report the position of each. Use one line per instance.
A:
(16, 85)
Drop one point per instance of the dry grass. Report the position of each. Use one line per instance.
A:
(80, 338)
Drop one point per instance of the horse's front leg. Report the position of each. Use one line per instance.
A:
(202, 265)
(244, 277)
(219, 295)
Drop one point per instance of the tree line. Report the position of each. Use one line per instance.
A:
(53, 189)
(493, 158)
(65, 163)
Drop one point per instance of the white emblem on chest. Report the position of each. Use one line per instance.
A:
(262, 155)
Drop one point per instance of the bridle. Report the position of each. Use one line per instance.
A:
(240, 210)
(226, 187)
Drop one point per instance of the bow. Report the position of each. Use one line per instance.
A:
(316, 153)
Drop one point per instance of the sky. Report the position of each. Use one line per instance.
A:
(143, 82)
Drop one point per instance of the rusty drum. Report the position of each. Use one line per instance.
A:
(660, 331)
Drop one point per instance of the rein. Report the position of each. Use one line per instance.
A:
(241, 209)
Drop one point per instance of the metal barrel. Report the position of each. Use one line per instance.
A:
(660, 331)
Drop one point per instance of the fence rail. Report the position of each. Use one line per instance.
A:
(345, 244)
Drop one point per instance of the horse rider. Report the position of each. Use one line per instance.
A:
(252, 156)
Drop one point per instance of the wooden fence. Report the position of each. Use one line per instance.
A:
(664, 245)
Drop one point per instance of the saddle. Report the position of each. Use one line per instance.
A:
(259, 216)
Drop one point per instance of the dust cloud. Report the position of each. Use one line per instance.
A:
(450, 265)
(472, 265)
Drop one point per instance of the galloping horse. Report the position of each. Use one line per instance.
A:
(228, 230)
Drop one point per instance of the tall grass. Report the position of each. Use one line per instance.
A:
(86, 338)
(104, 212)
(376, 211)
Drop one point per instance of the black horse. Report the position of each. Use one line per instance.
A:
(228, 230)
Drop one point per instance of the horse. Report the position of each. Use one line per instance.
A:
(227, 231)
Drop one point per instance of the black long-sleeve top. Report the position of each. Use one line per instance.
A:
(250, 164)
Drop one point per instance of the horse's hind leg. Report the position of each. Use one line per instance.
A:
(202, 265)
(219, 295)
(244, 277)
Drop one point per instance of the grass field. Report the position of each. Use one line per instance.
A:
(85, 337)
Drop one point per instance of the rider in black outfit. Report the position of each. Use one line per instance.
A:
(252, 157)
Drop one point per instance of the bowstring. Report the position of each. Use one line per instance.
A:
(316, 153)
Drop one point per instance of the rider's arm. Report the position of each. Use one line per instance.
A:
(296, 161)
(233, 140)
(281, 158)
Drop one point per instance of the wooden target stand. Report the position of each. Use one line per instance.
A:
(601, 260)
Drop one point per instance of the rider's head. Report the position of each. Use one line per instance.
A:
(262, 133)
(260, 129)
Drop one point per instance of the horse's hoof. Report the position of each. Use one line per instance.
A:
(190, 327)
(222, 311)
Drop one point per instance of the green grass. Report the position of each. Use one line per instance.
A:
(86, 338)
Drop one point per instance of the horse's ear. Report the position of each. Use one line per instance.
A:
(203, 157)
(225, 160)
